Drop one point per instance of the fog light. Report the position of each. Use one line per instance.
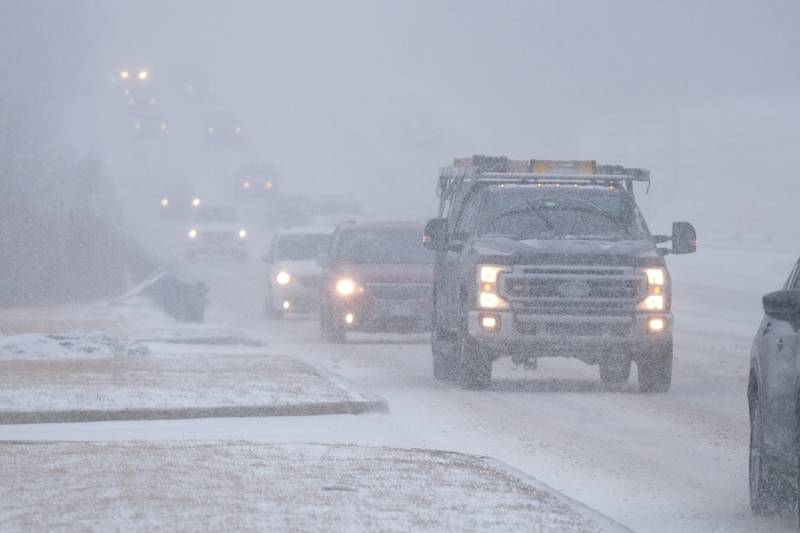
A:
(286, 305)
(349, 318)
(656, 324)
(490, 322)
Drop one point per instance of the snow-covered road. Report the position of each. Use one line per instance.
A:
(665, 463)
(673, 462)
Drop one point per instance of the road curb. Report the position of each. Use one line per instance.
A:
(609, 525)
(349, 407)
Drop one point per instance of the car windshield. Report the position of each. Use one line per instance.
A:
(389, 245)
(216, 214)
(567, 214)
(300, 247)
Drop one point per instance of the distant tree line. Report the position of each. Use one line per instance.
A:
(61, 237)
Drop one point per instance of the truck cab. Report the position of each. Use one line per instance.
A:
(549, 259)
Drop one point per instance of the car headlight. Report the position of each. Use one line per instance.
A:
(195, 202)
(165, 202)
(192, 233)
(345, 286)
(283, 278)
(488, 297)
(242, 233)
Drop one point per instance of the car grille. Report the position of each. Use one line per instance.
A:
(217, 237)
(399, 291)
(592, 291)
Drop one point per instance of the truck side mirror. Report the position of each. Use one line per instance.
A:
(783, 305)
(684, 238)
(435, 235)
(322, 260)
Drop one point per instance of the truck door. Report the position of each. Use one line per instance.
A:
(461, 232)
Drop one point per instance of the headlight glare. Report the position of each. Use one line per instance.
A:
(654, 302)
(655, 276)
(242, 233)
(192, 233)
(283, 278)
(345, 286)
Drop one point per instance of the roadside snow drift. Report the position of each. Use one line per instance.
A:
(221, 486)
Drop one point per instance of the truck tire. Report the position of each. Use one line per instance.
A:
(445, 362)
(269, 308)
(475, 365)
(615, 371)
(655, 370)
(331, 330)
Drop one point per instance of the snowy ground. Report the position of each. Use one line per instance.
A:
(657, 463)
(95, 376)
(212, 486)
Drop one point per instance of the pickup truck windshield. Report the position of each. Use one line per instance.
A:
(383, 246)
(570, 213)
(300, 247)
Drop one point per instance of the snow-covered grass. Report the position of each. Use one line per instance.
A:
(101, 377)
(227, 486)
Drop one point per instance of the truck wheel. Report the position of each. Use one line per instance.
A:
(332, 331)
(615, 371)
(475, 365)
(269, 308)
(655, 370)
(445, 364)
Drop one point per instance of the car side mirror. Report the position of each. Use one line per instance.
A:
(684, 238)
(322, 260)
(266, 259)
(434, 237)
(783, 305)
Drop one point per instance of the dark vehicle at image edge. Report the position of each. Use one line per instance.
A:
(377, 277)
(773, 395)
(549, 259)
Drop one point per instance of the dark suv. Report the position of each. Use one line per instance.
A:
(549, 258)
(378, 278)
(774, 397)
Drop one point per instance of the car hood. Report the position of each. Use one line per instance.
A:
(298, 268)
(387, 272)
(568, 250)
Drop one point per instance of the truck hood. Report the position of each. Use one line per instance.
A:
(569, 251)
(386, 272)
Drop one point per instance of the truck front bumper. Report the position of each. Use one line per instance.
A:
(588, 338)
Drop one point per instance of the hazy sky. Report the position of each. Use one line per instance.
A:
(373, 96)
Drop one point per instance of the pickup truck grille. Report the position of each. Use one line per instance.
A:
(399, 291)
(572, 290)
(217, 237)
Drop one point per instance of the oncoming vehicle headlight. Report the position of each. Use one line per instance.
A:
(654, 302)
(345, 286)
(488, 297)
(192, 233)
(165, 202)
(242, 233)
(195, 202)
(657, 293)
(283, 278)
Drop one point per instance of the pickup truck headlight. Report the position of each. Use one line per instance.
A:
(283, 278)
(242, 233)
(346, 287)
(192, 233)
(656, 298)
(488, 297)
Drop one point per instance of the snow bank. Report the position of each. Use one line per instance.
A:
(225, 486)
(90, 345)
